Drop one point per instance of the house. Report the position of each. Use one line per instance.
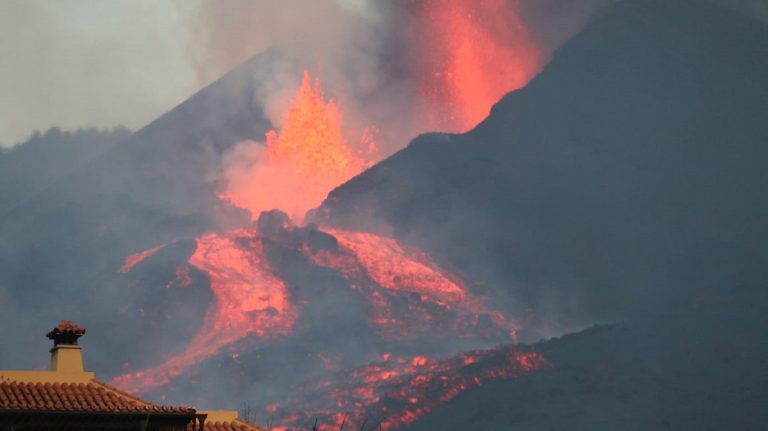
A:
(66, 397)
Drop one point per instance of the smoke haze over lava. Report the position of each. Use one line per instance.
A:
(276, 240)
(403, 292)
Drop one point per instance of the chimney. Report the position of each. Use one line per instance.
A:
(66, 356)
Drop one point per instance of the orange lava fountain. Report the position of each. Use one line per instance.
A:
(302, 162)
(469, 54)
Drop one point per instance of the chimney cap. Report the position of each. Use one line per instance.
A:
(67, 332)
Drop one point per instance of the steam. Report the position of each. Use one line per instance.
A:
(390, 73)
(387, 64)
(299, 164)
(225, 34)
(125, 63)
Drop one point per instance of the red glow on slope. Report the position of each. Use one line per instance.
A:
(398, 391)
(302, 162)
(182, 280)
(394, 267)
(408, 293)
(470, 53)
(132, 260)
(250, 300)
(437, 301)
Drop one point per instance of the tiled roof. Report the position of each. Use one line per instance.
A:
(92, 397)
(236, 425)
(66, 327)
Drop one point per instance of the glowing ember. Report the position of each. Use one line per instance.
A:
(249, 300)
(136, 258)
(182, 279)
(472, 52)
(303, 162)
(398, 391)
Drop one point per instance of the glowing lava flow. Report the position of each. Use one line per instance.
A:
(430, 291)
(397, 391)
(249, 300)
(408, 293)
(295, 171)
(301, 163)
(132, 260)
(470, 53)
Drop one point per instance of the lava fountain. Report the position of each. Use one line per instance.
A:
(468, 54)
(303, 161)
(471, 53)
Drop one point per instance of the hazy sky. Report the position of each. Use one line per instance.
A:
(80, 63)
(89, 63)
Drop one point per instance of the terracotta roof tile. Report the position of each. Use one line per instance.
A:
(67, 327)
(76, 397)
(236, 425)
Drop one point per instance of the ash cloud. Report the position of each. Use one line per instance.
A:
(362, 50)
(343, 42)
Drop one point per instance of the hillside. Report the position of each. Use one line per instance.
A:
(65, 233)
(626, 176)
(697, 375)
(624, 184)
(36, 164)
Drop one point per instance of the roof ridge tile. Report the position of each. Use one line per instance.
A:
(93, 396)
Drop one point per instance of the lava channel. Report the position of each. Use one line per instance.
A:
(249, 300)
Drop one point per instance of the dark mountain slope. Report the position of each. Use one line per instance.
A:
(628, 175)
(627, 181)
(60, 248)
(45, 158)
(698, 375)
(169, 163)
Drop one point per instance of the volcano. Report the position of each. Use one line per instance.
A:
(200, 274)
(623, 184)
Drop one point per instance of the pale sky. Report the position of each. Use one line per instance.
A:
(104, 63)
(90, 63)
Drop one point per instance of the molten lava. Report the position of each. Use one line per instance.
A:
(468, 54)
(397, 391)
(408, 275)
(477, 51)
(250, 300)
(132, 260)
(408, 295)
(302, 162)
